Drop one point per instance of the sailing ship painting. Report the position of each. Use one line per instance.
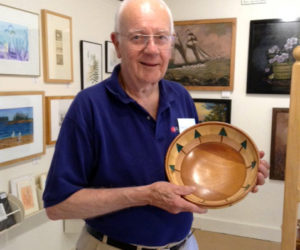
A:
(16, 127)
(203, 53)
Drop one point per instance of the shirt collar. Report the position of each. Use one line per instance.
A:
(113, 86)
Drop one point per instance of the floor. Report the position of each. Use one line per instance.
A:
(217, 241)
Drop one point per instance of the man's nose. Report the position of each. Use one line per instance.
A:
(150, 45)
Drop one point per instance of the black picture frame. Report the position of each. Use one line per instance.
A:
(90, 63)
(111, 59)
(270, 55)
(213, 109)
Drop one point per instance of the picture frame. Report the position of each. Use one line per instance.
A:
(22, 125)
(280, 118)
(213, 109)
(111, 58)
(90, 63)
(56, 109)
(270, 58)
(24, 188)
(203, 54)
(57, 47)
(20, 54)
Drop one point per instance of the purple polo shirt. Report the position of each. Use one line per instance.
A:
(108, 140)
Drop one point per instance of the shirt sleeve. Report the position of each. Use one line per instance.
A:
(72, 161)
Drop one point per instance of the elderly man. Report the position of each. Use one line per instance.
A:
(108, 166)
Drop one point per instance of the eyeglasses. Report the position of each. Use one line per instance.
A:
(140, 41)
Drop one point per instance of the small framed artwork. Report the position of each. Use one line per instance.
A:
(111, 58)
(91, 63)
(21, 125)
(57, 47)
(19, 42)
(203, 54)
(24, 188)
(270, 56)
(280, 118)
(56, 109)
(213, 110)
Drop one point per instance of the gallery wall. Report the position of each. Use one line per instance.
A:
(258, 215)
(92, 20)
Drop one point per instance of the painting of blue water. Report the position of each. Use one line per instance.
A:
(16, 126)
(14, 43)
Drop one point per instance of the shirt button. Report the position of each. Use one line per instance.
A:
(148, 117)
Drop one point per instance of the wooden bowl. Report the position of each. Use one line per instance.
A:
(217, 158)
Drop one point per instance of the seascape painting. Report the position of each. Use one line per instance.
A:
(16, 127)
(14, 42)
(202, 54)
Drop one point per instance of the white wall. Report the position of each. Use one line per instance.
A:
(258, 215)
(92, 21)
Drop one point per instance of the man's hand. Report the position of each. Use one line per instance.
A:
(263, 172)
(169, 197)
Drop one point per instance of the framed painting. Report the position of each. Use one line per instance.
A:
(213, 110)
(21, 126)
(24, 188)
(90, 63)
(19, 42)
(203, 54)
(57, 47)
(280, 118)
(111, 58)
(56, 109)
(270, 57)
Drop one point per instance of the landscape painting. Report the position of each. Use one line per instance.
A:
(13, 42)
(16, 127)
(213, 110)
(203, 54)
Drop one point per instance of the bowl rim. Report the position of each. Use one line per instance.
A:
(222, 203)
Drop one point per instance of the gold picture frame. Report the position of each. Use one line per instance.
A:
(203, 55)
(57, 47)
(56, 109)
(22, 126)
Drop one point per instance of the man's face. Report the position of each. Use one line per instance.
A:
(148, 63)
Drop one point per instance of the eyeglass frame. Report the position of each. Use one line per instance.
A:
(171, 39)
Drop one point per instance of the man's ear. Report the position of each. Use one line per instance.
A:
(114, 39)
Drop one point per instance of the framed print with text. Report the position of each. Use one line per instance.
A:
(57, 47)
(213, 110)
(203, 54)
(90, 63)
(21, 125)
(270, 57)
(19, 42)
(56, 109)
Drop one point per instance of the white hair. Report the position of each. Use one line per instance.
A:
(125, 2)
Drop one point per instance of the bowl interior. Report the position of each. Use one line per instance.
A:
(217, 158)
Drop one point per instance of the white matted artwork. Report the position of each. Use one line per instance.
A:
(57, 47)
(24, 188)
(21, 126)
(111, 58)
(91, 63)
(19, 42)
(56, 109)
